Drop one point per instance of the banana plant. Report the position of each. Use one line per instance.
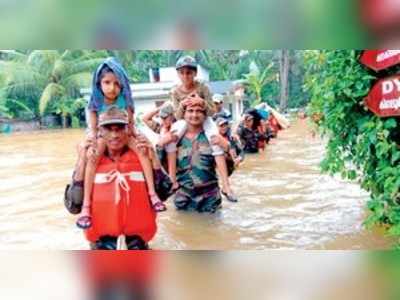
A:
(44, 76)
(67, 107)
(256, 80)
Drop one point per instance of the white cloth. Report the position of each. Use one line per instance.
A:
(210, 129)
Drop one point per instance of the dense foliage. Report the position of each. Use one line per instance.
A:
(361, 146)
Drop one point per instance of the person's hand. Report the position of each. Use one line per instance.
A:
(91, 134)
(236, 137)
(167, 137)
(193, 99)
(142, 141)
(92, 154)
(131, 131)
(82, 148)
(197, 100)
(91, 139)
(187, 102)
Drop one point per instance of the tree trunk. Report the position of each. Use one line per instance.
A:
(64, 121)
(39, 119)
(284, 79)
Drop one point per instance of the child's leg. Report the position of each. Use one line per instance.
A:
(90, 172)
(171, 158)
(211, 130)
(149, 177)
(178, 128)
(232, 153)
(146, 165)
(154, 159)
(222, 170)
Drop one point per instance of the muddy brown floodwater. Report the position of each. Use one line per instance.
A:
(284, 200)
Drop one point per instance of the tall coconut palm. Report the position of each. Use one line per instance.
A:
(43, 76)
(256, 81)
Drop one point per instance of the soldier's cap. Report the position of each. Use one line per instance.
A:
(113, 115)
(186, 61)
(221, 121)
(166, 110)
(218, 98)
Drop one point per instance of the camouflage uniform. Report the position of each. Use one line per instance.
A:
(249, 139)
(199, 190)
(236, 145)
(177, 96)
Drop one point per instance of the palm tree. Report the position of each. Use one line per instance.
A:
(256, 81)
(44, 76)
(69, 108)
(5, 110)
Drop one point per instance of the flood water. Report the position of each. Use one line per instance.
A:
(284, 203)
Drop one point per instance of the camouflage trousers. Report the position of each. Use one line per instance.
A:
(200, 199)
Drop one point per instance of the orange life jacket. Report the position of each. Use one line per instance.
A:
(120, 202)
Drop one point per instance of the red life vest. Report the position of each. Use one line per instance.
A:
(274, 125)
(120, 202)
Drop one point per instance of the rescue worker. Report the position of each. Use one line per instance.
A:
(120, 202)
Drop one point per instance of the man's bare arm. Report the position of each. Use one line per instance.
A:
(79, 172)
(148, 117)
(93, 123)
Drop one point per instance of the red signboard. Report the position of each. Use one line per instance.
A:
(384, 97)
(380, 59)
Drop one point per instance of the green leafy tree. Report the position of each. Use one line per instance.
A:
(298, 97)
(44, 76)
(69, 108)
(361, 146)
(256, 81)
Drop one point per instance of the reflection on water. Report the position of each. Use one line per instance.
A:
(284, 201)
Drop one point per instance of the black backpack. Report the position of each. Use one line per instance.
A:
(73, 198)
